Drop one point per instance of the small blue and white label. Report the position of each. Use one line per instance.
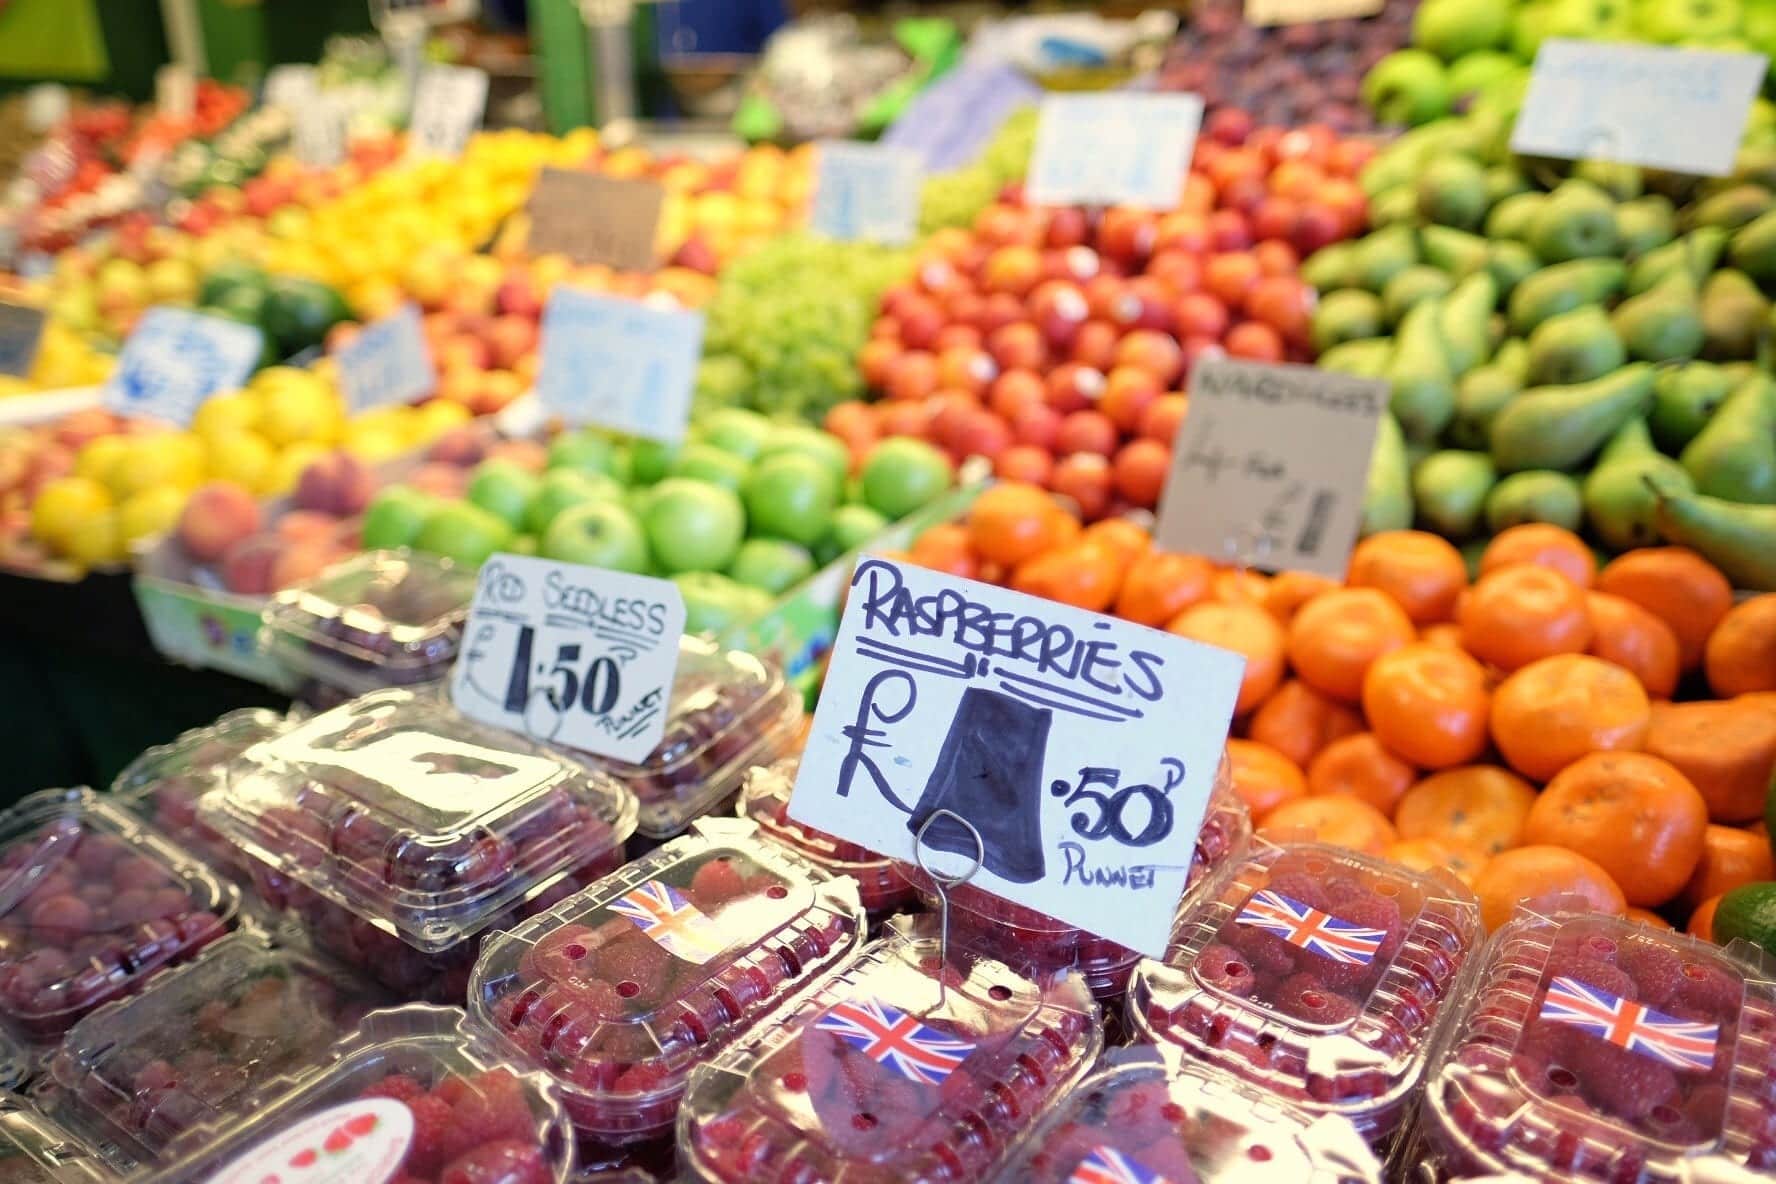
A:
(176, 359)
(21, 331)
(1113, 149)
(387, 362)
(447, 106)
(619, 364)
(866, 192)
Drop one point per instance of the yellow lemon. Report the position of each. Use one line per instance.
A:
(95, 541)
(220, 415)
(100, 458)
(373, 442)
(150, 513)
(242, 457)
(158, 458)
(439, 416)
(66, 504)
(294, 413)
(282, 476)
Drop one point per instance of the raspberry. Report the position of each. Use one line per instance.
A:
(1593, 973)
(1709, 991)
(1265, 951)
(560, 956)
(641, 1079)
(1303, 887)
(508, 1161)
(432, 1121)
(639, 970)
(1225, 969)
(717, 881)
(1620, 1082)
(1371, 912)
(398, 1086)
(1657, 971)
(493, 1107)
(1305, 997)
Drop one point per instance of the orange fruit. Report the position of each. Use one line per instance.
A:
(1676, 585)
(1334, 637)
(1428, 704)
(1520, 613)
(1120, 537)
(1552, 712)
(1634, 815)
(1726, 748)
(1702, 919)
(1740, 656)
(1437, 855)
(1241, 585)
(1446, 634)
(1084, 575)
(1263, 777)
(1335, 818)
(1360, 766)
(1479, 806)
(1160, 585)
(1421, 572)
(1634, 639)
(1012, 522)
(1289, 590)
(1730, 857)
(1647, 917)
(1245, 629)
(1541, 544)
(945, 547)
(1298, 721)
(1542, 879)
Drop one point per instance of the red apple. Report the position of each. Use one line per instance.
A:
(920, 322)
(510, 338)
(912, 376)
(1072, 387)
(1058, 308)
(966, 369)
(1013, 269)
(1014, 390)
(1018, 346)
(1127, 234)
(1068, 226)
(1155, 352)
(1095, 344)
(1036, 426)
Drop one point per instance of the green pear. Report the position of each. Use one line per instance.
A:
(1696, 252)
(1368, 358)
(1406, 88)
(1619, 504)
(1423, 384)
(1484, 391)
(1620, 181)
(1509, 264)
(1731, 208)
(1475, 72)
(1418, 282)
(1734, 317)
(1383, 255)
(1452, 191)
(1394, 207)
(1690, 20)
(1453, 29)
(1530, 28)
(1454, 251)
(1560, 427)
(1512, 217)
(1685, 398)
(1504, 181)
(1574, 347)
(1757, 165)
(1645, 223)
(1738, 539)
(1449, 490)
(1536, 495)
(1387, 496)
(1753, 248)
(1734, 455)
(1350, 314)
(1578, 221)
(1464, 321)
(1331, 267)
(1562, 288)
(1662, 324)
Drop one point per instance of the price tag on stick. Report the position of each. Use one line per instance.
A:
(865, 191)
(447, 108)
(1113, 149)
(619, 364)
(1279, 452)
(175, 359)
(21, 331)
(595, 219)
(1677, 109)
(1074, 753)
(570, 655)
(387, 362)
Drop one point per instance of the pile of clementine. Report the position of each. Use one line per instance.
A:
(1547, 730)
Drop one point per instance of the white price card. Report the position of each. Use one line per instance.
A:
(1113, 149)
(619, 364)
(1300, 12)
(570, 655)
(866, 192)
(387, 362)
(174, 360)
(1078, 751)
(21, 331)
(291, 86)
(175, 91)
(447, 107)
(1270, 466)
(1677, 109)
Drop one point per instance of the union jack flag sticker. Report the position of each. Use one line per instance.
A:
(1106, 1165)
(1682, 1044)
(1318, 932)
(662, 912)
(895, 1039)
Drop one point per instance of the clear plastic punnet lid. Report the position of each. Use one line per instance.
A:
(34, 1150)
(380, 619)
(414, 816)
(164, 784)
(200, 1039)
(764, 798)
(729, 712)
(1315, 973)
(415, 1096)
(1142, 1122)
(902, 1066)
(93, 902)
(619, 990)
(1597, 1048)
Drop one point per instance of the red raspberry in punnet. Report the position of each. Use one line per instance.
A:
(1315, 973)
(1637, 1055)
(621, 990)
(885, 1071)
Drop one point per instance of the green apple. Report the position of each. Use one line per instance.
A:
(903, 474)
(810, 441)
(464, 532)
(503, 489)
(852, 527)
(791, 496)
(585, 450)
(395, 517)
(522, 544)
(706, 462)
(735, 430)
(649, 460)
(598, 534)
(1477, 71)
(562, 488)
(1452, 29)
(693, 525)
(714, 603)
(775, 565)
(1407, 88)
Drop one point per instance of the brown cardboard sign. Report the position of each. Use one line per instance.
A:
(1297, 12)
(1270, 465)
(21, 331)
(595, 219)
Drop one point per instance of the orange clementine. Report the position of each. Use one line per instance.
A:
(1335, 636)
(1012, 522)
(1740, 656)
(1634, 639)
(1647, 917)
(1263, 777)
(1544, 879)
(1438, 855)
(1480, 806)
(1541, 544)
(1298, 721)
(1730, 857)
(1702, 919)
(1084, 575)
(1289, 590)
(1517, 614)
(1337, 819)
(1726, 748)
(1552, 712)
(1428, 704)
(1676, 585)
(1423, 573)
(945, 547)
(1360, 766)
(1160, 585)
(1633, 815)
(1246, 629)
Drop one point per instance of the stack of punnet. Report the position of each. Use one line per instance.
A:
(34, 1150)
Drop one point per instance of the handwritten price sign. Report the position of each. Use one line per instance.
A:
(570, 655)
(388, 362)
(619, 364)
(447, 107)
(1081, 749)
(1109, 149)
(175, 359)
(866, 192)
(1270, 466)
(21, 331)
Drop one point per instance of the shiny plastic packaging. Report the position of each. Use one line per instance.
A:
(34, 1150)
(1314, 973)
(620, 990)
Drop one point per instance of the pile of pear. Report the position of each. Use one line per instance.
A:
(1588, 344)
